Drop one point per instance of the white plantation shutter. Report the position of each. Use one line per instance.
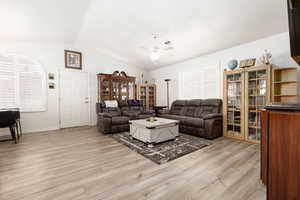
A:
(8, 86)
(22, 85)
(32, 90)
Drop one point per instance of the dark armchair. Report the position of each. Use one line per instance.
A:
(112, 121)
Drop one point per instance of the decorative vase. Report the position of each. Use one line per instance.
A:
(266, 58)
(232, 64)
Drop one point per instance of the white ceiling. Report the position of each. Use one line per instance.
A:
(42, 20)
(124, 29)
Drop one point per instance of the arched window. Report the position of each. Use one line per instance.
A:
(22, 84)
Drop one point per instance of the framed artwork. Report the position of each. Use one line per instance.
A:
(247, 63)
(73, 59)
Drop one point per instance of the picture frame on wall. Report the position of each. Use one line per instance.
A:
(73, 59)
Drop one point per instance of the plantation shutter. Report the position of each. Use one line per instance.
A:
(32, 88)
(22, 84)
(8, 84)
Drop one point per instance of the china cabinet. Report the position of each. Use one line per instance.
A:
(115, 86)
(146, 93)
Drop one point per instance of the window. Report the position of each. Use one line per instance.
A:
(22, 84)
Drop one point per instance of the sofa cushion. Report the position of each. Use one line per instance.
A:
(137, 109)
(191, 107)
(174, 117)
(194, 122)
(211, 106)
(177, 107)
(112, 111)
(120, 120)
(123, 104)
(132, 115)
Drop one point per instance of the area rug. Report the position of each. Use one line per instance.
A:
(163, 152)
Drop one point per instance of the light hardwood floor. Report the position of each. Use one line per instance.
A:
(83, 164)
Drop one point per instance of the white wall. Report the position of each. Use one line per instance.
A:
(51, 55)
(278, 45)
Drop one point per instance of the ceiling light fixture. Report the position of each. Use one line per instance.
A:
(155, 56)
(158, 50)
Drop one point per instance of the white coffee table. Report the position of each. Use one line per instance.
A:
(154, 132)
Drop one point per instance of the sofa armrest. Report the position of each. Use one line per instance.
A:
(213, 116)
(104, 122)
(213, 127)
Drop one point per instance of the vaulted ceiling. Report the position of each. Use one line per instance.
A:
(135, 31)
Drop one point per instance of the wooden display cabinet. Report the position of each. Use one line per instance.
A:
(146, 93)
(246, 92)
(257, 96)
(285, 85)
(114, 86)
(234, 93)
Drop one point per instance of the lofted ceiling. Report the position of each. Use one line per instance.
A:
(42, 20)
(147, 34)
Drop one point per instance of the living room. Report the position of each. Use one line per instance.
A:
(149, 100)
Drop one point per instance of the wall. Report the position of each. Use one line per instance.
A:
(51, 55)
(277, 44)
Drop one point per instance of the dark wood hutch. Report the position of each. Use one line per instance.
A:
(114, 86)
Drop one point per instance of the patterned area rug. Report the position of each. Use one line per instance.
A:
(163, 152)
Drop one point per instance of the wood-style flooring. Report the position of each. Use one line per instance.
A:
(83, 164)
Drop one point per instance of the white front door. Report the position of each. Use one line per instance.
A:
(74, 99)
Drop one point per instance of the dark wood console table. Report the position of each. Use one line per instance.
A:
(158, 108)
(280, 152)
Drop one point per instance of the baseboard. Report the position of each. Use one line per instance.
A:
(41, 130)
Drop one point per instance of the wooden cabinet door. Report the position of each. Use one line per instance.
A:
(256, 98)
(234, 91)
(264, 147)
(284, 156)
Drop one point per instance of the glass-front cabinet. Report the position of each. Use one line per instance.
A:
(257, 95)
(105, 90)
(115, 86)
(246, 92)
(146, 93)
(233, 103)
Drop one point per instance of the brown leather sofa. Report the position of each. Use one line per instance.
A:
(116, 120)
(198, 117)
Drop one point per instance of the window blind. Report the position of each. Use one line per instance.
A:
(22, 85)
(8, 86)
